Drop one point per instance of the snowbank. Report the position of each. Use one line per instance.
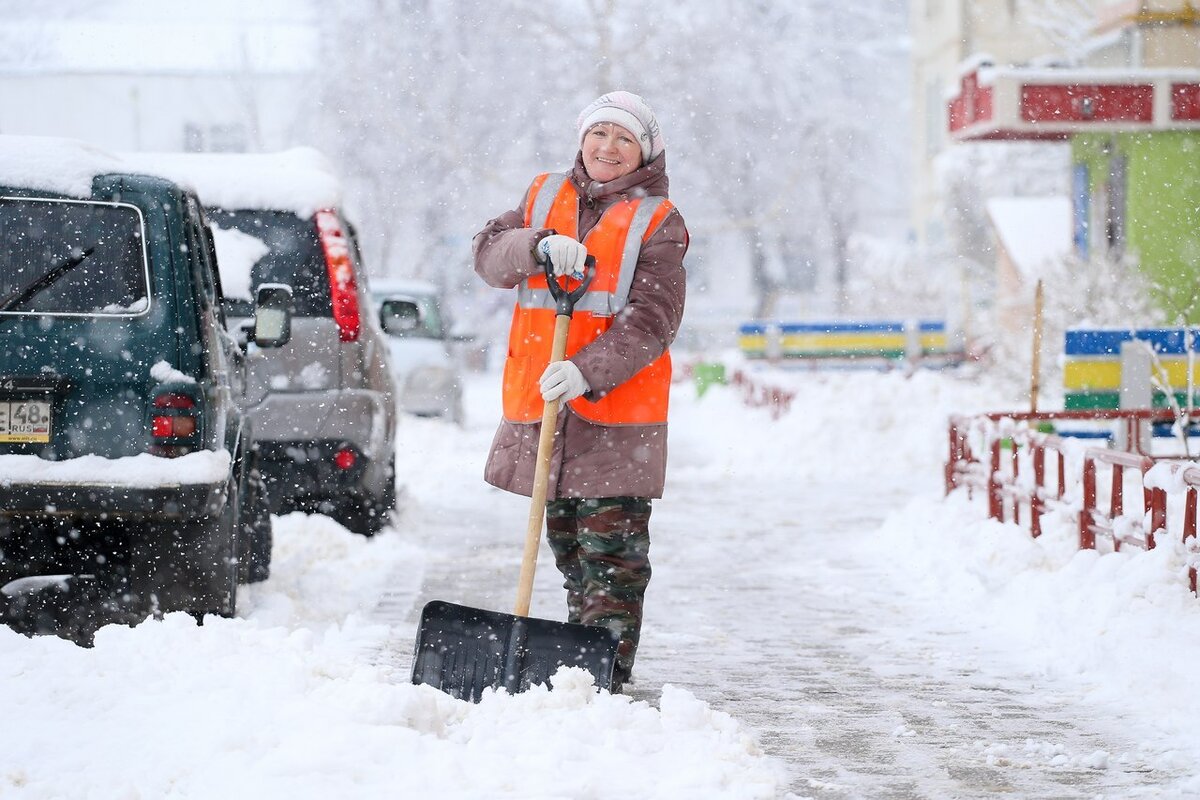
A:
(295, 701)
(307, 695)
(1120, 625)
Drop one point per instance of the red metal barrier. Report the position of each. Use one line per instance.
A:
(963, 462)
(1092, 521)
(754, 392)
(1007, 492)
(1191, 478)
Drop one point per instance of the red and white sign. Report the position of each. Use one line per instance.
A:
(1024, 103)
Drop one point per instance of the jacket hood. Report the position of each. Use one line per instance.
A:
(647, 180)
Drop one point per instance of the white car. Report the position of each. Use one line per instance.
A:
(428, 377)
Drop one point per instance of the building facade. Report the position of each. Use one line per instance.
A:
(243, 83)
(1124, 94)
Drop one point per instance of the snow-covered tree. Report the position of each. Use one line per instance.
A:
(1067, 24)
(781, 120)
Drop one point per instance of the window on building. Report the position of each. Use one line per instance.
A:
(1081, 201)
(193, 138)
(216, 138)
(1114, 227)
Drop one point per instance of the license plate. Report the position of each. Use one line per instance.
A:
(24, 421)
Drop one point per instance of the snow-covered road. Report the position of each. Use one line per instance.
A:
(773, 599)
(820, 624)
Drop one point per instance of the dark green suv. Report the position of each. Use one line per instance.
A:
(125, 456)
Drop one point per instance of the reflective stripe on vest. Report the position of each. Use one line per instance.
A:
(550, 186)
(616, 241)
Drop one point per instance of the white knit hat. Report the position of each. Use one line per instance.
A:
(630, 112)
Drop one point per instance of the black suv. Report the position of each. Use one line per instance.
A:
(125, 458)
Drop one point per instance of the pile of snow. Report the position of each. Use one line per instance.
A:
(304, 695)
(1119, 624)
(293, 701)
(835, 423)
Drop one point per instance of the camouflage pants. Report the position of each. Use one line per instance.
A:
(601, 546)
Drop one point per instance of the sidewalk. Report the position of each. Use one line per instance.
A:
(769, 603)
(794, 636)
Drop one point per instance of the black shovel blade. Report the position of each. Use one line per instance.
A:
(462, 650)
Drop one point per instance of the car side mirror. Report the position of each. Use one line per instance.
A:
(400, 317)
(273, 315)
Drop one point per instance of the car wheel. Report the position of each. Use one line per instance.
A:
(255, 539)
(363, 516)
(357, 516)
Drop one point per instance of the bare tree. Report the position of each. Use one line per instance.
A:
(773, 112)
(1066, 23)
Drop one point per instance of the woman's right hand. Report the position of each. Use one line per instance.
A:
(566, 255)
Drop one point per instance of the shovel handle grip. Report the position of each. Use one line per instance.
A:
(565, 305)
(564, 301)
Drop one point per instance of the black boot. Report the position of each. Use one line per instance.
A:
(621, 676)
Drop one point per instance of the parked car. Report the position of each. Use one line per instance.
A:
(419, 331)
(326, 427)
(125, 457)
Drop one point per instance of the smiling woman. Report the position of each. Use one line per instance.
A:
(610, 151)
(610, 210)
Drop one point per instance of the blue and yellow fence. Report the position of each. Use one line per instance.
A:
(1092, 369)
(874, 340)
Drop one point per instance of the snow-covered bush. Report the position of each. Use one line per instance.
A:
(1102, 291)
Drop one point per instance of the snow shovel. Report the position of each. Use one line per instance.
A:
(462, 650)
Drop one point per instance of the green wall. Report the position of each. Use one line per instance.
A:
(1162, 210)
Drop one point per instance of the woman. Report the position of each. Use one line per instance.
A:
(610, 448)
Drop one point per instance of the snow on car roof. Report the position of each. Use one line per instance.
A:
(61, 166)
(300, 180)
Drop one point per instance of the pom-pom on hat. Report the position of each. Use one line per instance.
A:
(630, 112)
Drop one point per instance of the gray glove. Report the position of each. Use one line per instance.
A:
(566, 254)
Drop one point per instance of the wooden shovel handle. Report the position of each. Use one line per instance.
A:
(541, 476)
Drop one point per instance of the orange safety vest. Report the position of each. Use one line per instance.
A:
(615, 241)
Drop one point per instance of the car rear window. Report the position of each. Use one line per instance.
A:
(72, 257)
(294, 257)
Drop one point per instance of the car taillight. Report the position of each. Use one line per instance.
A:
(345, 458)
(174, 418)
(343, 286)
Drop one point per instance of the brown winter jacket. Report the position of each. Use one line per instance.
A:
(595, 460)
